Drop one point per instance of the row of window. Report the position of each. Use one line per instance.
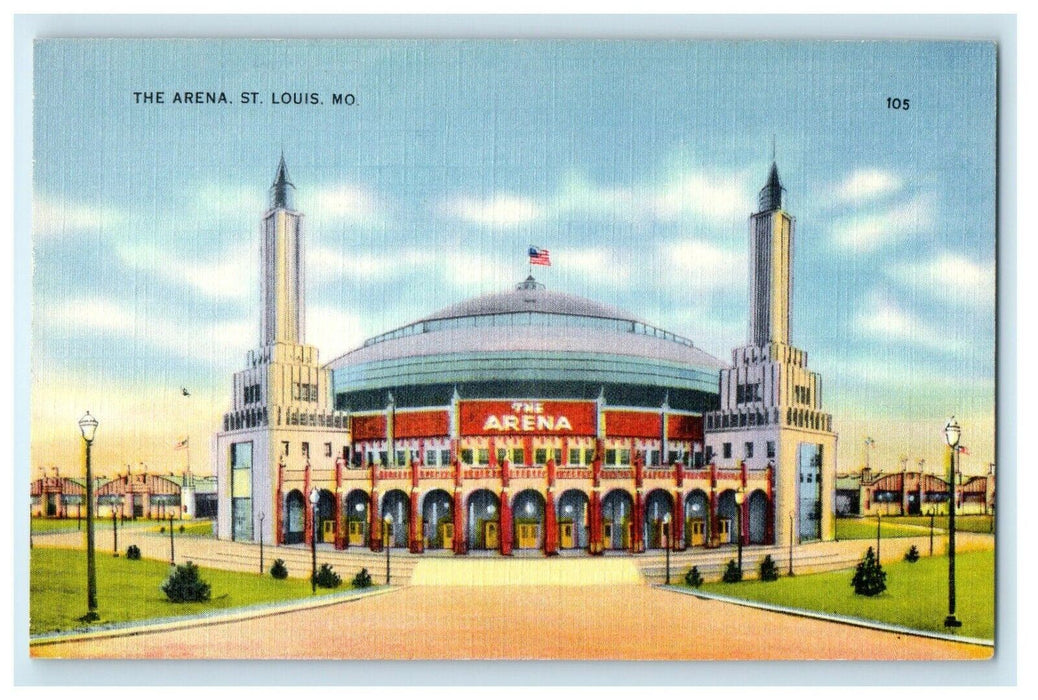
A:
(252, 393)
(304, 391)
(747, 450)
(745, 393)
(802, 394)
(305, 449)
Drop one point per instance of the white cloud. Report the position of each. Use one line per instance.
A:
(340, 202)
(196, 340)
(699, 265)
(713, 197)
(951, 277)
(592, 263)
(213, 200)
(867, 232)
(864, 185)
(55, 217)
(324, 263)
(502, 209)
(232, 276)
(333, 331)
(880, 318)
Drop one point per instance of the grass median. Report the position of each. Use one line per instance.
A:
(129, 590)
(916, 595)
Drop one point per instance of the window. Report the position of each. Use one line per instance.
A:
(610, 456)
(483, 455)
(575, 456)
(401, 458)
(502, 454)
(430, 457)
(771, 448)
(673, 456)
(540, 456)
(726, 450)
(445, 457)
(518, 456)
(466, 456)
(382, 457)
(327, 449)
(709, 453)
(306, 449)
(748, 450)
(557, 454)
(625, 457)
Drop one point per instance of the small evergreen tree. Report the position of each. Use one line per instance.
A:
(133, 552)
(768, 571)
(869, 577)
(362, 579)
(732, 572)
(693, 577)
(184, 585)
(326, 577)
(279, 570)
(912, 555)
(182, 529)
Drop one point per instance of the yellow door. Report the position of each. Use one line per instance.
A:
(356, 532)
(607, 534)
(566, 536)
(724, 531)
(528, 533)
(697, 529)
(446, 534)
(490, 534)
(328, 531)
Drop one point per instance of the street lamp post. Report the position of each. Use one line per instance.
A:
(314, 497)
(931, 530)
(879, 517)
(172, 559)
(790, 572)
(115, 535)
(261, 516)
(88, 427)
(386, 524)
(952, 433)
(740, 498)
(666, 542)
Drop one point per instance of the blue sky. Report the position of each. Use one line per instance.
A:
(635, 163)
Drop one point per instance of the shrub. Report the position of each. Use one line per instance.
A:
(869, 577)
(694, 578)
(768, 571)
(182, 529)
(362, 579)
(162, 529)
(279, 570)
(133, 552)
(912, 555)
(326, 578)
(184, 585)
(732, 572)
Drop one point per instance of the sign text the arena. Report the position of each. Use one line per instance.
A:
(538, 417)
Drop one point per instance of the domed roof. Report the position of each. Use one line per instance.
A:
(531, 295)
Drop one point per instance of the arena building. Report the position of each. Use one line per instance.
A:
(529, 419)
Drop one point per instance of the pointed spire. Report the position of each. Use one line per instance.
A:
(282, 190)
(770, 198)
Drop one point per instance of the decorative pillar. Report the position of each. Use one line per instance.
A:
(374, 523)
(505, 524)
(594, 517)
(340, 525)
(308, 509)
(637, 519)
(551, 528)
(417, 543)
(459, 523)
(744, 510)
(769, 520)
(904, 492)
(677, 520)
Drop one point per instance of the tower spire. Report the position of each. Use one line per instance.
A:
(770, 197)
(282, 190)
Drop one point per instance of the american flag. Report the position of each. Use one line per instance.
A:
(181, 445)
(539, 256)
(964, 450)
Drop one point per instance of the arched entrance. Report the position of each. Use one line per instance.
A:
(357, 518)
(758, 514)
(697, 508)
(396, 506)
(726, 517)
(528, 519)
(484, 512)
(617, 507)
(573, 518)
(295, 517)
(438, 519)
(658, 506)
(326, 516)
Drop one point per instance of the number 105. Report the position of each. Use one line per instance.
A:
(897, 103)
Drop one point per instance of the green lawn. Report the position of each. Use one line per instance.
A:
(192, 528)
(965, 523)
(44, 525)
(916, 595)
(129, 590)
(865, 529)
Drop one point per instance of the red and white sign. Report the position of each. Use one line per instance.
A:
(527, 417)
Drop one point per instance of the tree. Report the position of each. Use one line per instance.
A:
(732, 572)
(184, 585)
(326, 577)
(279, 570)
(693, 577)
(912, 555)
(362, 579)
(869, 577)
(768, 571)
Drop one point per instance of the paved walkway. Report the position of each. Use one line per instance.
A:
(524, 622)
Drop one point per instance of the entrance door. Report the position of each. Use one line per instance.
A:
(328, 531)
(446, 534)
(138, 506)
(697, 529)
(724, 530)
(490, 539)
(52, 509)
(357, 532)
(566, 536)
(607, 534)
(528, 536)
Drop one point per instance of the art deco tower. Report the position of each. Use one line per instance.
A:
(771, 404)
(281, 253)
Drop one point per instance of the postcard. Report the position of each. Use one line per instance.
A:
(529, 350)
